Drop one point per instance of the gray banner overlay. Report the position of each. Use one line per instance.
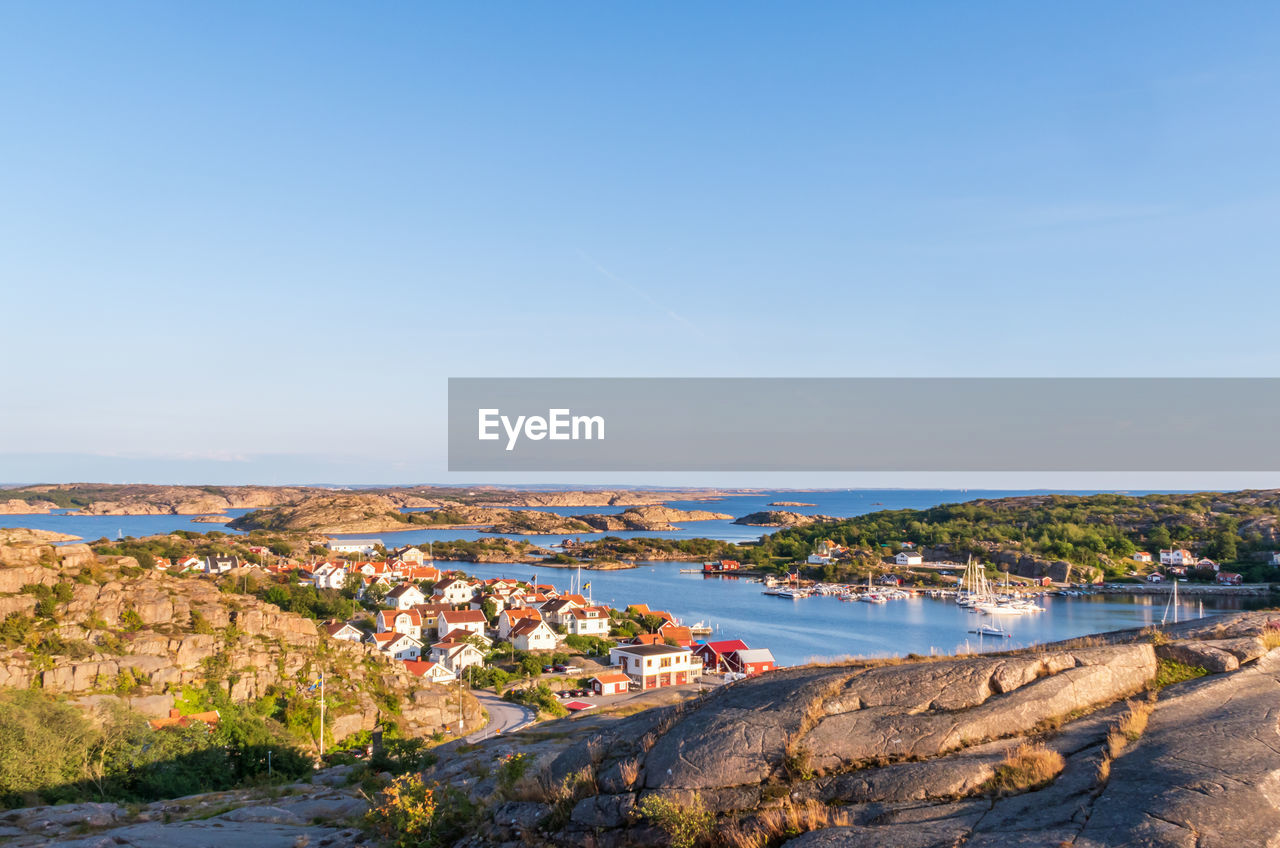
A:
(864, 424)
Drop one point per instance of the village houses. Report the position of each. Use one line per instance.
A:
(431, 672)
(400, 646)
(455, 590)
(1178, 556)
(472, 621)
(406, 596)
(508, 619)
(343, 630)
(456, 656)
(656, 666)
(400, 621)
(530, 635)
(588, 621)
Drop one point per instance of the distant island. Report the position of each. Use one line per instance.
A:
(373, 513)
(789, 503)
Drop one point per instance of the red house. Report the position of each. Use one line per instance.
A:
(1229, 578)
(712, 654)
(750, 661)
(610, 683)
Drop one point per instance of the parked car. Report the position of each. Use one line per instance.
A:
(564, 693)
(547, 669)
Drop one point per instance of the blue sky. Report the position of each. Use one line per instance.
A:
(246, 241)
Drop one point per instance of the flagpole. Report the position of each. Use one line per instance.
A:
(321, 716)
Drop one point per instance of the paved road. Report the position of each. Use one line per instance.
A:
(504, 716)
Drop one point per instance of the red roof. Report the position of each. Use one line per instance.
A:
(575, 706)
(612, 677)
(727, 646)
(418, 667)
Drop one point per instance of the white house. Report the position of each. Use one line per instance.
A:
(908, 558)
(508, 619)
(588, 621)
(1141, 556)
(220, 564)
(400, 646)
(344, 630)
(431, 672)
(1155, 578)
(329, 575)
(1275, 558)
(364, 547)
(455, 591)
(400, 621)
(409, 554)
(1177, 556)
(556, 611)
(531, 635)
(655, 666)
(406, 596)
(187, 564)
(472, 621)
(456, 656)
(1207, 564)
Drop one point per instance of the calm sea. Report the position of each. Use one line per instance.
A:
(812, 628)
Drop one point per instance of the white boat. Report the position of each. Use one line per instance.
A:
(991, 630)
(873, 598)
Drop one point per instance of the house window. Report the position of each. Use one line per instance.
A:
(666, 662)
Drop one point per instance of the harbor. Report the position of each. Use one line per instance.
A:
(819, 625)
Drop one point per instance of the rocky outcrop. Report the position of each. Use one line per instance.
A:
(909, 753)
(782, 518)
(651, 518)
(150, 634)
(789, 503)
(16, 506)
(297, 815)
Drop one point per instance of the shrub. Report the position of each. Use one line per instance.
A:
(511, 769)
(411, 814)
(131, 621)
(686, 825)
(1029, 767)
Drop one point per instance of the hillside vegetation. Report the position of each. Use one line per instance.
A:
(94, 644)
(1092, 530)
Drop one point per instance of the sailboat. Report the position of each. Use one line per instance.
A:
(1172, 602)
(870, 596)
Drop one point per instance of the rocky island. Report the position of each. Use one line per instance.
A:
(371, 513)
(779, 518)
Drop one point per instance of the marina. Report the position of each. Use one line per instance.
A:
(818, 624)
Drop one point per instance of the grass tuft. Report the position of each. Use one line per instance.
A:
(1028, 767)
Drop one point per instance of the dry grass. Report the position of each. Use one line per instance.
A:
(630, 770)
(648, 741)
(1028, 767)
(1104, 770)
(1270, 637)
(777, 824)
(541, 789)
(1130, 727)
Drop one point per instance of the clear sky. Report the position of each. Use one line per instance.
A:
(250, 241)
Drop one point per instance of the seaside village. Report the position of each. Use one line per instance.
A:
(446, 626)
